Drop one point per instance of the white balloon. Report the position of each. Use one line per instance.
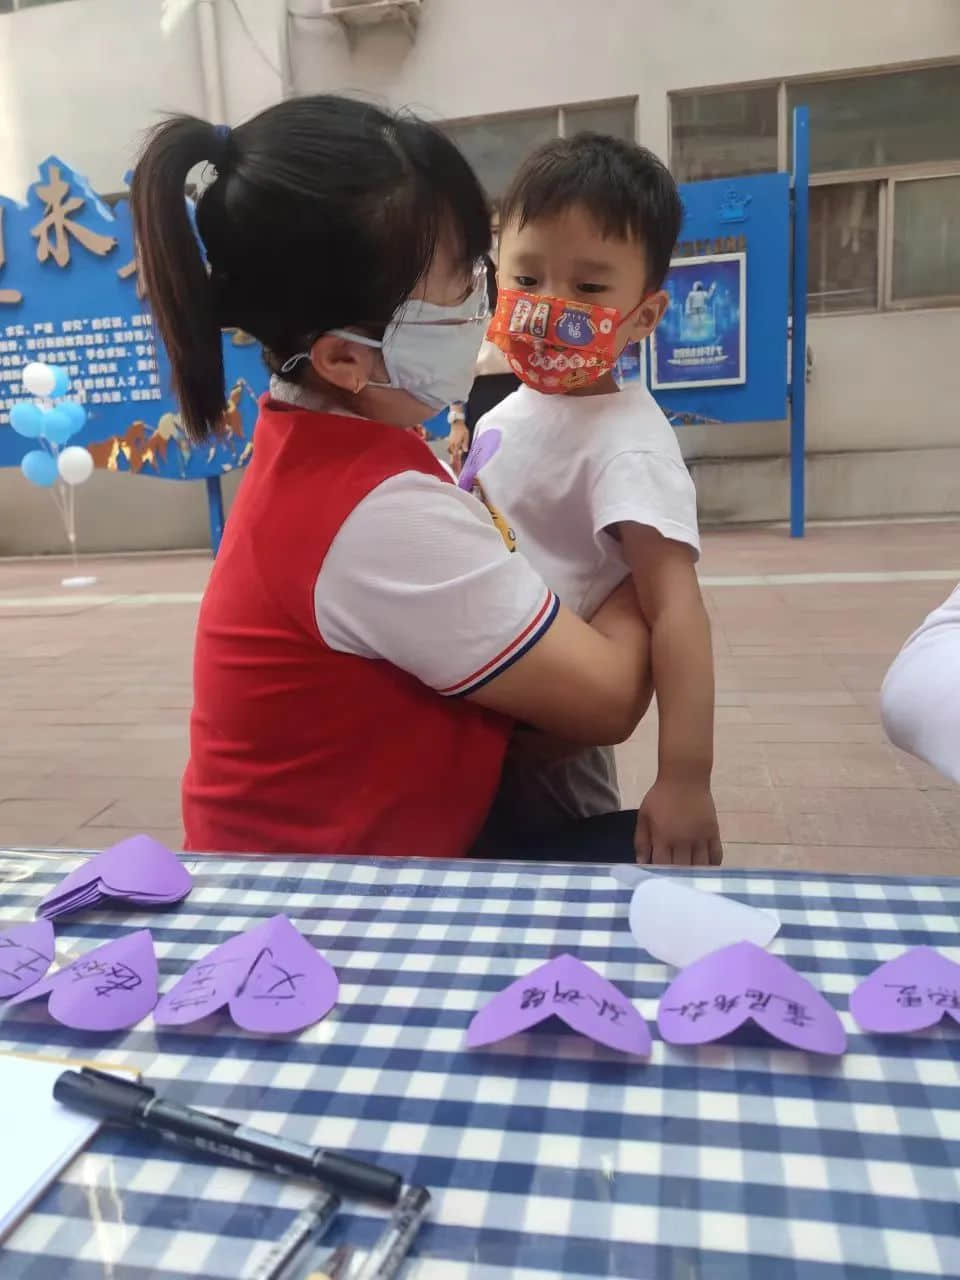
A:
(39, 379)
(75, 464)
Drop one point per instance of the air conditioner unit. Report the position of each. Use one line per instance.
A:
(354, 14)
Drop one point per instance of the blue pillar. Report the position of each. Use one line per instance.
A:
(215, 504)
(798, 364)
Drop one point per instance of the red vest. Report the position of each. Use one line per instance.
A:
(295, 748)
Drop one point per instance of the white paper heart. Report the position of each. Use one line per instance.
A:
(678, 924)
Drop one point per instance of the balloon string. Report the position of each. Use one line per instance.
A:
(54, 492)
(72, 530)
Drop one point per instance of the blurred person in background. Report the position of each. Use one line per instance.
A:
(920, 699)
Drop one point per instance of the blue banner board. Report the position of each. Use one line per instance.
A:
(69, 295)
(721, 356)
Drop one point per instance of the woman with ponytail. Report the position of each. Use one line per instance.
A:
(367, 638)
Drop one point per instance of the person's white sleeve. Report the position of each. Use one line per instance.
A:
(649, 489)
(418, 575)
(920, 699)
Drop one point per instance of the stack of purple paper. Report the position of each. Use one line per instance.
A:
(140, 871)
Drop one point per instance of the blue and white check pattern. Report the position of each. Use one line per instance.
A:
(547, 1155)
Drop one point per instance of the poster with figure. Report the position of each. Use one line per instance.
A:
(702, 339)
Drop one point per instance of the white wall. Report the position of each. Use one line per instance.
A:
(473, 57)
(83, 80)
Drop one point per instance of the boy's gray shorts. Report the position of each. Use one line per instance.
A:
(546, 784)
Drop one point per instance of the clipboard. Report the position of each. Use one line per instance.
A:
(40, 1137)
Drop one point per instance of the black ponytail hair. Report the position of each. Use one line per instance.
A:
(324, 212)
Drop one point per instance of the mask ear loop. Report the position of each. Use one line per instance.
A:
(288, 366)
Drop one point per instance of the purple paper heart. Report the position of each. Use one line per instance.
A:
(137, 866)
(912, 991)
(26, 953)
(70, 886)
(209, 983)
(484, 447)
(570, 990)
(107, 989)
(141, 865)
(715, 995)
(271, 978)
(289, 985)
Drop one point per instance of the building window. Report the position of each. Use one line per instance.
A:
(926, 240)
(496, 146)
(885, 176)
(13, 6)
(715, 134)
(871, 122)
(844, 234)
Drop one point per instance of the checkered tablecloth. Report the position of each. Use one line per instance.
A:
(547, 1155)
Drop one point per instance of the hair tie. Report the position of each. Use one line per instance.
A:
(223, 135)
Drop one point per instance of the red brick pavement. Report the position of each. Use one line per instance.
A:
(95, 692)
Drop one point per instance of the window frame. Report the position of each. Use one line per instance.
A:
(556, 109)
(847, 179)
(913, 173)
(559, 113)
(887, 176)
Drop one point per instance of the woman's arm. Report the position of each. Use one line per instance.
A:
(418, 576)
(920, 700)
(586, 682)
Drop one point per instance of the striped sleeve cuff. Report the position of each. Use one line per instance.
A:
(522, 644)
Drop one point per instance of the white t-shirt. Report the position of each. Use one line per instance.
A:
(563, 469)
(418, 576)
(920, 701)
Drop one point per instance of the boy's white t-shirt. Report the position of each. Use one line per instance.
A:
(563, 469)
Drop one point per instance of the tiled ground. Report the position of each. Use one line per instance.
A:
(95, 691)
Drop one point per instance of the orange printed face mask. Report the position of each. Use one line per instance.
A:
(554, 345)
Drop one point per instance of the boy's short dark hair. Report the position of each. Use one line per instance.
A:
(630, 193)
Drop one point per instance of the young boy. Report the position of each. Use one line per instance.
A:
(590, 479)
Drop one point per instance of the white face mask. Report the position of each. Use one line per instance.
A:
(429, 350)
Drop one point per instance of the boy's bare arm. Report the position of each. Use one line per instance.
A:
(678, 819)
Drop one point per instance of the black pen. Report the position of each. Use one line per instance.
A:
(127, 1102)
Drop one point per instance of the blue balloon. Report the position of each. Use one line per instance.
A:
(39, 468)
(75, 412)
(57, 427)
(27, 419)
(61, 380)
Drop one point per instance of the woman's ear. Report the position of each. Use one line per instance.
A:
(648, 315)
(342, 363)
